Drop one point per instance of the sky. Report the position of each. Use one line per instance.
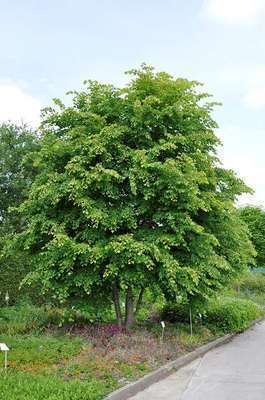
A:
(51, 47)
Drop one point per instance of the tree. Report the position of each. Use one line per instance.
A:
(130, 194)
(16, 174)
(254, 217)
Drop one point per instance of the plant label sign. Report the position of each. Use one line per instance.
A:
(3, 347)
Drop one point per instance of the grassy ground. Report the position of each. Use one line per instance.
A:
(83, 362)
(87, 361)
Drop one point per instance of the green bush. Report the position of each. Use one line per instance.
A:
(231, 314)
(224, 314)
(175, 313)
(252, 282)
(27, 318)
(180, 312)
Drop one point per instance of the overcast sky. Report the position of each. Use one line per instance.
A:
(49, 47)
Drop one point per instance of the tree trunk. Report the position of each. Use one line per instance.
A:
(116, 301)
(139, 302)
(129, 309)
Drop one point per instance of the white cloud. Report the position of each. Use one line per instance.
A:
(252, 172)
(18, 106)
(255, 98)
(234, 11)
(240, 153)
(244, 81)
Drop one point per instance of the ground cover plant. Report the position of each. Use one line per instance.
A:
(83, 361)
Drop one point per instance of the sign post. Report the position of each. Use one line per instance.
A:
(163, 330)
(191, 330)
(7, 298)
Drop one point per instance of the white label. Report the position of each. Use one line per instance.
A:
(3, 347)
(163, 324)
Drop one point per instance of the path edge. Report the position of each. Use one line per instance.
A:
(133, 388)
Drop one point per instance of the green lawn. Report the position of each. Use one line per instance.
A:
(36, 370)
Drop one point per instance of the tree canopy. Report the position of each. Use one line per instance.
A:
(254, 217)
(16, 173)
(130, 194)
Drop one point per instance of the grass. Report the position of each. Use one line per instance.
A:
(86, 361)
(25, 386)
(33, 353)
(34, 372)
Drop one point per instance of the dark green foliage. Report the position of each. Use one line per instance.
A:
(254, 217)
(130, 195)
(231, 314)
(175, 313)
(13, 269)
(16, 175)
(181, 312)
(27, 318)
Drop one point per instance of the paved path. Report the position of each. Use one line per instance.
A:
(235, 371)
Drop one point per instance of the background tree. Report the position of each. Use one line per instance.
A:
(254, 217)
(130, 194)
(16, 174)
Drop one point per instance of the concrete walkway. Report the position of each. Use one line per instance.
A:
(235, 371)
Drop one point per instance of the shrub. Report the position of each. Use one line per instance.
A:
(252, 282)
(175, 313)
(26, 318)
(230, 314)
(180, 312)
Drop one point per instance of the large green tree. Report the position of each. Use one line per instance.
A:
(130, 194)
(254, 217)
(16, 175)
